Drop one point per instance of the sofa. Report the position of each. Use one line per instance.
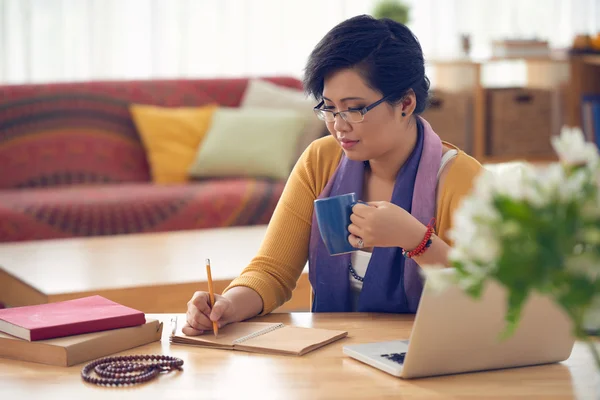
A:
(72, 163)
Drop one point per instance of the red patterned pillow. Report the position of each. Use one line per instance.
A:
(83, 133)
(50, 140)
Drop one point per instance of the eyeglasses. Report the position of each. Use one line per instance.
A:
(350, 116)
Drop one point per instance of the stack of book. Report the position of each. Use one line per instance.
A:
(517, 48)
(590, 105)
(74, 331)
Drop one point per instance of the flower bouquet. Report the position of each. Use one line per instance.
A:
(537, 230)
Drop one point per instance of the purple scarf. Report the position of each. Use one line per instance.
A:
(392, 283)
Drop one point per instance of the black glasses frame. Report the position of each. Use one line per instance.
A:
(318, 110)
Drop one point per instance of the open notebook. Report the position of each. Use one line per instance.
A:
(263, 337)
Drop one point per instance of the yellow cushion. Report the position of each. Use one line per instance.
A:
(171, 137)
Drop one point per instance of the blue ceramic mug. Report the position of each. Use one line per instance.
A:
(333, 217)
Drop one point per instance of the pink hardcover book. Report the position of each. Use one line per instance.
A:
(67, 318)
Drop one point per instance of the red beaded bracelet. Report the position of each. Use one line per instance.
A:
(425, 243)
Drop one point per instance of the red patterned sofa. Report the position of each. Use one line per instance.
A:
(72, 163)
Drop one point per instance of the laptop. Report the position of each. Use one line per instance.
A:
(454, 333)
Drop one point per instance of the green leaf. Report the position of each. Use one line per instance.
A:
(475, 290)
(511, 209)
(516, 299)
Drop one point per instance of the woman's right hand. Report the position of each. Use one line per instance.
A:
(200, 316)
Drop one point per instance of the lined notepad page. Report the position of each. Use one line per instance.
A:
(229, 334)
(291, 339)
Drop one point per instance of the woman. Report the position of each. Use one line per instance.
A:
(370, 79)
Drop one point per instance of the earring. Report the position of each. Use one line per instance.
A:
(403, 114)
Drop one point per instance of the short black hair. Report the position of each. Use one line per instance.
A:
(386, 53)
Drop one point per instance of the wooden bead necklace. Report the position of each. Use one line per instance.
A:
(128, 370)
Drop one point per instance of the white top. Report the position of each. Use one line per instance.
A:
(360, 259)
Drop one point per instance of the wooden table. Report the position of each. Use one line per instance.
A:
(155, 272)
(325, 373)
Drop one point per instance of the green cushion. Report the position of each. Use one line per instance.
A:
(249, 142)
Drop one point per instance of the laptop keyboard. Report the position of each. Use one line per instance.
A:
(395, 357)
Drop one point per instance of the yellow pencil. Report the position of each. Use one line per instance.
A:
(211, 294)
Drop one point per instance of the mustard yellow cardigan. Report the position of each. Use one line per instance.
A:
(275, 269)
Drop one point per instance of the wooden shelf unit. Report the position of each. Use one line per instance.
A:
(584, 79)
(591, 59)
(466, 75)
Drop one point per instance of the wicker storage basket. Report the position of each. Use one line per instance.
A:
(451, 117)
(520, 121)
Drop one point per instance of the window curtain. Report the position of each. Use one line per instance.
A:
(74, 40)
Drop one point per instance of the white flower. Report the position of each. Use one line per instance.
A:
(568, 192)
(572, 149)
(484, 248)
(573, 187)
(551, 181)
(484, 185)
(472, 231)
(516, 181)
(554, 184)
(438, 277)
(510, 182)
(531, 190)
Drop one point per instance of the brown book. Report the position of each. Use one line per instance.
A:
(263, 337)
(72, 350)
